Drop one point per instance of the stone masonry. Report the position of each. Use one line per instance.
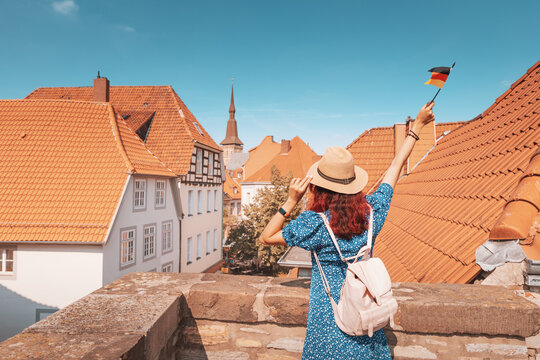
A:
(207, 316)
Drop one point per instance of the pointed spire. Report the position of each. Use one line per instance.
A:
(231, 137)
(232, 110)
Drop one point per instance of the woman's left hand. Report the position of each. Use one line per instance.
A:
(298, 188)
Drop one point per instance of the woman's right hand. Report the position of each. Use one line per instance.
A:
(297, 188)
(425, 115)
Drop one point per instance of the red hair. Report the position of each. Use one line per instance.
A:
(348, 213)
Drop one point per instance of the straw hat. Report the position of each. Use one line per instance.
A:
(336, 171)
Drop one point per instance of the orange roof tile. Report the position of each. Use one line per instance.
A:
(229, 185)
(63, 170)
(445, 208)
(374, 150)
(260, 155)
(173, 131)
(297, 161)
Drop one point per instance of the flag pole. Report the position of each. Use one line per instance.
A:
(441, 88)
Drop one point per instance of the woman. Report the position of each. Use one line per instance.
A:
(336, 189)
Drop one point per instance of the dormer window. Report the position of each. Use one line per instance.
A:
(235, 190)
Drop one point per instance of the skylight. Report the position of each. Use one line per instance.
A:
(198, 128)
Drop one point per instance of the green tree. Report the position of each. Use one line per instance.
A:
(265, 204)
(241, 239)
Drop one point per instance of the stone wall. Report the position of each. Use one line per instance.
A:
(206, 316)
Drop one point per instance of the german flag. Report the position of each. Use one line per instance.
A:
(438, 76)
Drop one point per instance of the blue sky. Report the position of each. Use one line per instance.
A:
(323, 70)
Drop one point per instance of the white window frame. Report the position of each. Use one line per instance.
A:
(139, 194)
(161, 186)
(232, 208)
(238, 208)
(199, 246)
(208, 242)
(211, 164)
(216, 201)
(190, 203)
(199, 201)
(127, 246)
(215, 240)
(199, 162)
(166, 236)
(149, 241)
(4, 260)
(168, 267)
(208, 201)
(189, 257)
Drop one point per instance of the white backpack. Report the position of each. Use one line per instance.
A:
(366, 303)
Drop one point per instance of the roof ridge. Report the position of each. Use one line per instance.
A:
(511, 88)
(64, 101)
(118, 140)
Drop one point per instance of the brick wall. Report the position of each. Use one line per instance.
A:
(207, 316)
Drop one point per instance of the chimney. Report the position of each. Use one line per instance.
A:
(285, 146)
(101, 89)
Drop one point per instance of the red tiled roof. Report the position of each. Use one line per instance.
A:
(260, 155)
(173, 131)
(375, 149)
(63, 170)
(229, 185)
(445, 208)
(297, 161)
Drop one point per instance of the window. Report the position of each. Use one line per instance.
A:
(149, 241)
(167, 267)
(7, 260)
(140, 194)
(166, 236)
(209, 201)
(211, 164)
(198, 164)
(190, 202)
(160, 193)
(215, 240)
(238, 209)
(198, 128)
(127, 247)
(232, 209)
(199, 201)
(199, 246)
(189, 250)
(235, 190)
(215, 200)
(207, 242)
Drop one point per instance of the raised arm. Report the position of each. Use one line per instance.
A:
(424, 117)
(271, 235)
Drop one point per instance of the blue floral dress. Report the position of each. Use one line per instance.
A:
(324, 340)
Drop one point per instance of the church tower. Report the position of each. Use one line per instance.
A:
(231, 144)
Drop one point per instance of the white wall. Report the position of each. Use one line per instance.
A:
(128, 217)
(46, 277)
(195, 224)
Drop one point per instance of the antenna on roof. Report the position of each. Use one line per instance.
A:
(98, 76)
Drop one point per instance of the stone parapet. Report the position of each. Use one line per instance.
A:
(208, 316)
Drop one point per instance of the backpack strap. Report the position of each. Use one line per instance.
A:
(362, 250)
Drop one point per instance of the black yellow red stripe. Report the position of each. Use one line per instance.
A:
(438, 76)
